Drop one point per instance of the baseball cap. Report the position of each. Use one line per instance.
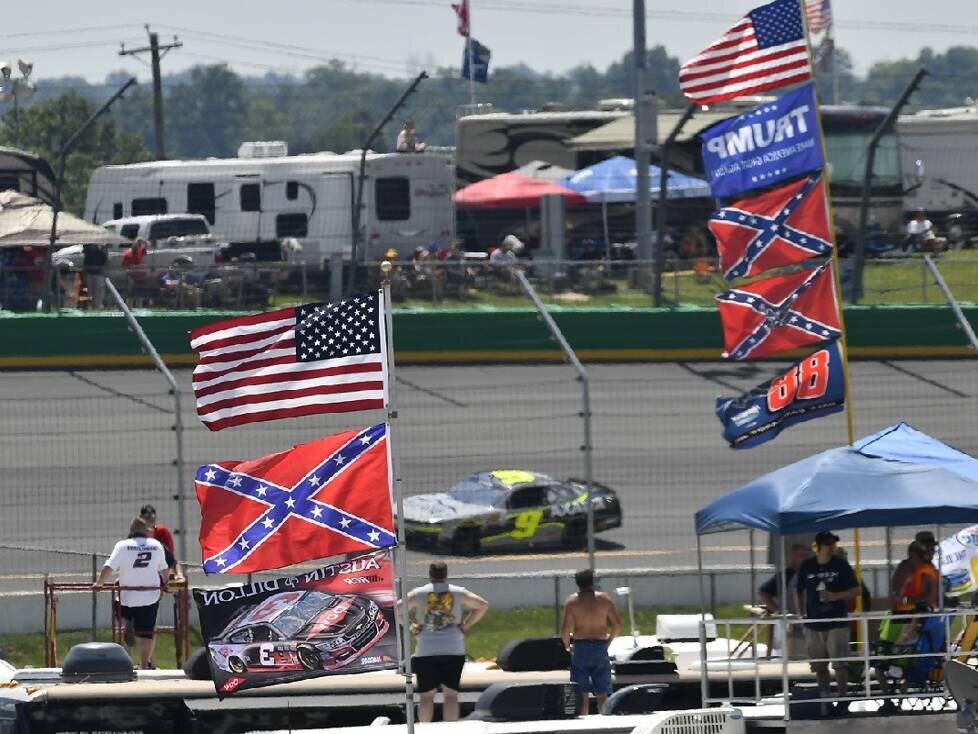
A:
(826, 537)
(925, 536)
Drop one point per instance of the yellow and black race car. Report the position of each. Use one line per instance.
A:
(508, 509)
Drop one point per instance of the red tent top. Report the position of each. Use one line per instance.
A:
(512, 191)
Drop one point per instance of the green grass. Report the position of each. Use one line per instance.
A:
(485, 640)
(904, 280)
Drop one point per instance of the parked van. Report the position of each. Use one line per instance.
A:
(266, 195)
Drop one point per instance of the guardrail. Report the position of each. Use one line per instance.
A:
(905, 666)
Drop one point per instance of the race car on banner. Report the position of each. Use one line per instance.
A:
(508, 509)
(336, 619)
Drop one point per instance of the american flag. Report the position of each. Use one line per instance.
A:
(765, 50)
(462, 12)
(819, 14)
(315, 358)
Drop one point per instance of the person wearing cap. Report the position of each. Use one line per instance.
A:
(826, 583)
(915, 581)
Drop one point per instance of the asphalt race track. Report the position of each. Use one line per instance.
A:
(81, 451)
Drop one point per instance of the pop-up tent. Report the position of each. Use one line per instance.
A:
(25, 220)
(896, 477)
(614, 180)
(512, 191)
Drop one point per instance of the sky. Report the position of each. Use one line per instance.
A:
(398, 37)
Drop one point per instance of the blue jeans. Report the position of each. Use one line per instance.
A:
(590, 666)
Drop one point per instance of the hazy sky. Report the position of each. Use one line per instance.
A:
(395, 37)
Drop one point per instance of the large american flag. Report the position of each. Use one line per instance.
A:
(765, 50)
(315, 358)
(819, 15)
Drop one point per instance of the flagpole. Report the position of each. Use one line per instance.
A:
(837, 281)
(471, 51)
(401, 550)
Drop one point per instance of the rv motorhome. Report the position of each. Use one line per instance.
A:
(266, 195)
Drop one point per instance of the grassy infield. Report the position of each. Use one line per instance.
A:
(485, 641)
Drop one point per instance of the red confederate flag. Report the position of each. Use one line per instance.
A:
(778, 314)
(781, 227)
(318, 499)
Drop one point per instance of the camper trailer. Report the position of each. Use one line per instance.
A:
(939, 149)
(265, 195)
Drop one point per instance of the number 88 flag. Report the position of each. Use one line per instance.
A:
(810, 388)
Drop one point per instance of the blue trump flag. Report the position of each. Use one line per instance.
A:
(771, 143)
(810, 388)
(480, 61)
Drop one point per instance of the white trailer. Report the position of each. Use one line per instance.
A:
(946, 144)
(265, 195)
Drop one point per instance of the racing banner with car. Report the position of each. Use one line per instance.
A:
(337, 619)
(810, 388)
(959, 562)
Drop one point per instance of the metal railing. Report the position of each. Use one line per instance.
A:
(896, 670)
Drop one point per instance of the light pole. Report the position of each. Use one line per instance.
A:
(16, 89)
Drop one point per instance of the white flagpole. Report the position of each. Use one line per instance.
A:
(401, 550)
(471, 51)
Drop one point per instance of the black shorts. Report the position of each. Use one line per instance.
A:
(143, 618)
(438, 670)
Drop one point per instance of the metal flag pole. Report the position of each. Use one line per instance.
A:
(471, 52)
(836, 285)
(401, 550)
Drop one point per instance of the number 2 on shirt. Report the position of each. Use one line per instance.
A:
(142, 559)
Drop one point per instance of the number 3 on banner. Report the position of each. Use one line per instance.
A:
(806, 381)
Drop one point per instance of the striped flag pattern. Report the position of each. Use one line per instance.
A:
(765, 50)
(819, 15)
(315, 358)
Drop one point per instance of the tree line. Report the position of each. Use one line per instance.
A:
(211, 109)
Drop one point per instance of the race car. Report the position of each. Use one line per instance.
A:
(508, 509)
(299, 630)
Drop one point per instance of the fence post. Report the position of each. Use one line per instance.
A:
(94, 596)
(336, 276)
(556, 604)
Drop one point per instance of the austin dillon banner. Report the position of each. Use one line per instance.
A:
(338, 619)
(771, 143)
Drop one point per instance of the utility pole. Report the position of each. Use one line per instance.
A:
(645, 134)
(154, 49)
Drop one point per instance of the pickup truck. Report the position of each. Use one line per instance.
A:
(171, 238)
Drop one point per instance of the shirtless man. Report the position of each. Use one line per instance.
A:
(587, 614)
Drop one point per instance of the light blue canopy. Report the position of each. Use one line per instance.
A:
(613, 181)
(893, 478)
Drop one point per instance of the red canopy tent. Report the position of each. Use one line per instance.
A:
(512, 191)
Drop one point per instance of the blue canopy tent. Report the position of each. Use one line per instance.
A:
(614, 181)
(897, 477)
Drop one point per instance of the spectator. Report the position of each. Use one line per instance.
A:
(825, 584)
(770, 591)
(440, 632)
(140, 561)
(94, 260)
(915, 582)
(588, 614)
(407, 139)
(160, 531)
(136, 254)
(921, 235)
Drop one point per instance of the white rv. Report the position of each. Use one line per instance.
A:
(945, 142)
(265, 195)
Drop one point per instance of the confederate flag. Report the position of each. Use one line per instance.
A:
(318, 499)
(778, 314)
(781, 227)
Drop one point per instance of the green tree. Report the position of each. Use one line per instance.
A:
(45, 126)
(205, 116)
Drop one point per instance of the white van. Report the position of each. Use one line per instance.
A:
(265, 196)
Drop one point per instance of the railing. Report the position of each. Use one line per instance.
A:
(472, 280)
(896, 670)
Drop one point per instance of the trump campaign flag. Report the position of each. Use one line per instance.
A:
(768, 144)
(781, 227)
(480, 56)
(315, 500)
(778, 314)
(315, 358)
(810, 388)
(765, 50)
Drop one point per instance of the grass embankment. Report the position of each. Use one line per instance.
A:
(485, 640)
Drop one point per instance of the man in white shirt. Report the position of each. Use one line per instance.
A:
(140, 561)
(921, 235)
